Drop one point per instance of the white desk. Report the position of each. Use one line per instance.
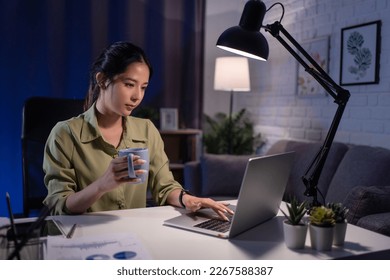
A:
(262, 242)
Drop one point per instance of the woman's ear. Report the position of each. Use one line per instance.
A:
(101, 80)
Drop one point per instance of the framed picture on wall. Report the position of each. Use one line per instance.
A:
(360, 49)
(319, 50)
(168, 119)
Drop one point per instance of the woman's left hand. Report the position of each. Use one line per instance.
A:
(194, 203)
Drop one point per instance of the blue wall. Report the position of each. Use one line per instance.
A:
(39, 55)
(46, 49)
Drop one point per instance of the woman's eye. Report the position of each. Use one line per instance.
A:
(129, 85)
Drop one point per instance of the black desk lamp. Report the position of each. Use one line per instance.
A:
(246, 39)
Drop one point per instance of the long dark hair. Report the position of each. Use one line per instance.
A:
(111, 62)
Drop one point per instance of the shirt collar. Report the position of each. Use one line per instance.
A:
(91, 132)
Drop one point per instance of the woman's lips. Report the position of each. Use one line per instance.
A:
(130, 107)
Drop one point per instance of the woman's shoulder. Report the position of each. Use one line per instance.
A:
(68, 125)
(138, 119)
(141, 127)
(141, 123)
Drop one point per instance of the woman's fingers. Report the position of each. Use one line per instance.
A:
(221, 209)
(120, 168)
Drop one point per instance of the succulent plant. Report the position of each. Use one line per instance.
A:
(322, 216)
(296, 211)
(339, 210)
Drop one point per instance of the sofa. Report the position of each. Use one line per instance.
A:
(356, 175)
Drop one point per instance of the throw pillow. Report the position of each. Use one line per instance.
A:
(222, 174)
(367, 200)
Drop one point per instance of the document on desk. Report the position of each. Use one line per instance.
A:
(99, 247)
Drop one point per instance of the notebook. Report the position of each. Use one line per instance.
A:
(261, 193)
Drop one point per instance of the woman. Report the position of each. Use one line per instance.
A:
(83, 172)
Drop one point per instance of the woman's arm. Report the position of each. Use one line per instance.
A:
(116, 174)
(70, 176)
(194, 203)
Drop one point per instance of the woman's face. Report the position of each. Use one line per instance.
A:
(126, 91)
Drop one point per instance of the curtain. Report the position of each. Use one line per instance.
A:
(47, 48)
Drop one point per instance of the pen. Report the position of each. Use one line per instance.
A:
(71, 232)
(60, 226)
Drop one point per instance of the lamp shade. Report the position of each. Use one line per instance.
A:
(246, 39)
(232, 74)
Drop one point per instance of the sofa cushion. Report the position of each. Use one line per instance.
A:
(222, 174)
(367, 200)
(361, 165)
(378, 222)
(305, 152)
(192, 177)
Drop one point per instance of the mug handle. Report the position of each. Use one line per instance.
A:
(131, 166)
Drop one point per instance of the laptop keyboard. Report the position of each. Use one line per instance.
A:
(215, 225)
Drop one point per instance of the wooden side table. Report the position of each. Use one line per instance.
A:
(181, 146)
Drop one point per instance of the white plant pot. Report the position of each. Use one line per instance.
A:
(294, 235)
(321, 238)
(340, 230)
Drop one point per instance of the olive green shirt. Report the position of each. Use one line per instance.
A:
(77, 155)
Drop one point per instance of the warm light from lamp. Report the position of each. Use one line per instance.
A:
(232, 74)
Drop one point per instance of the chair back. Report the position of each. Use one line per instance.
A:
(40, 114)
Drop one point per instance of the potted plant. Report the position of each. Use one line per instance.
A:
(340, 214)
(294, 228)
(236, 136)
(321, 227)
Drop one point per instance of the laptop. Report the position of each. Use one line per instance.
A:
(261, 193)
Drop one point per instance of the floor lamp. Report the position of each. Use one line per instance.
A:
(246, 39)
(231, 74)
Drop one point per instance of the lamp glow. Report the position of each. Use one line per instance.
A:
(231, 74)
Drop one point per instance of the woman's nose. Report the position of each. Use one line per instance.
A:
(137, 94)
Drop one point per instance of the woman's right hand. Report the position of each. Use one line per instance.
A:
(117, 173)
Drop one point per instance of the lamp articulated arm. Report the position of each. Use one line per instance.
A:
(245, 39)
(339, 94)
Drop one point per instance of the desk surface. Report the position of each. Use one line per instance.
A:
(262, 242)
